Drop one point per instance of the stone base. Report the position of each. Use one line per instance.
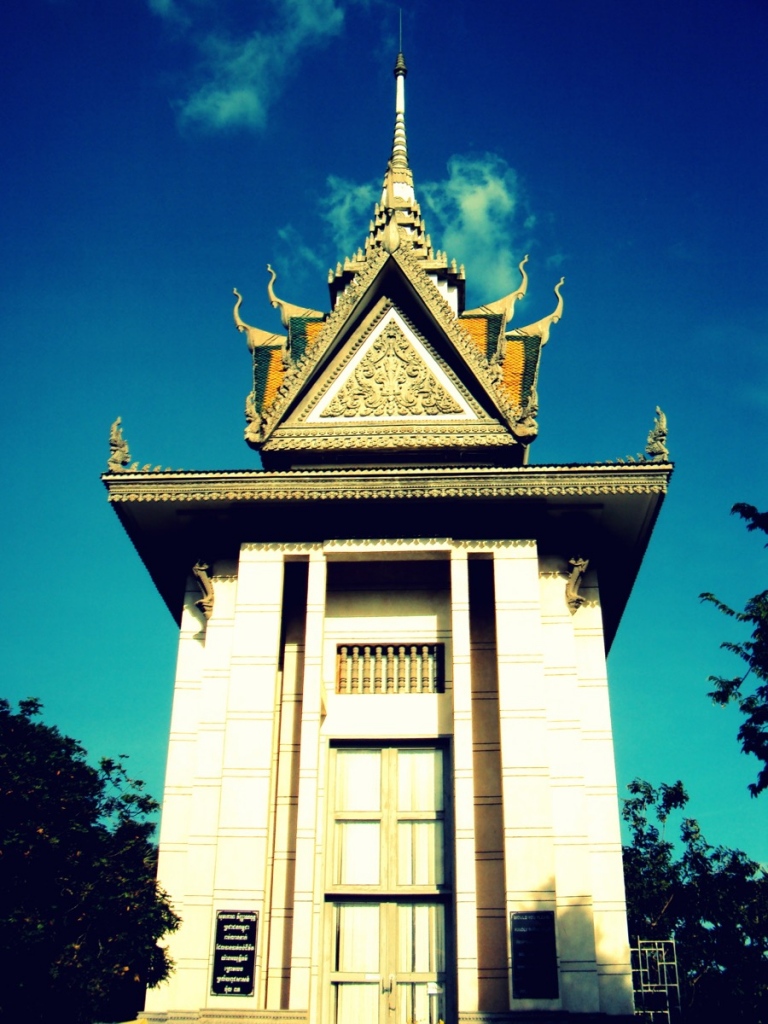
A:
(544, 1017)
(300, 1017)
(224, 1017)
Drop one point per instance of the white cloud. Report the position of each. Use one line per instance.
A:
(241, 73)
(479, 213)
(347, 209)
(296, 255)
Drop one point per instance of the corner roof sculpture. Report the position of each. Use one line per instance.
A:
(396, 337)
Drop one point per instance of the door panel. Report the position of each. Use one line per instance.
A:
(389, 963)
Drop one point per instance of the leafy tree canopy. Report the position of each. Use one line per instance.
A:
(80, 908)
(711, 900)
(749, 689)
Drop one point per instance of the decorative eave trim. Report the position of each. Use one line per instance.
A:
(389, 484)
(300, 371)
(441, 310)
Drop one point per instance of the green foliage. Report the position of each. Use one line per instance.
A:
(712, 900)
(752, 702)
(80, 909)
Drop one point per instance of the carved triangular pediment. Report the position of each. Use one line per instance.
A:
(388, 373)
(392, 367)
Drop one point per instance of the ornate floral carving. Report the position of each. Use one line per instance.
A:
(205, 604)
(377, 434)
(119, 456)
(392, 380)
(572, 597)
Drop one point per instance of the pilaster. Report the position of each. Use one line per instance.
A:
(306, 914)
(613, 962)
(527, 812)
(575, 918)
(464, 795)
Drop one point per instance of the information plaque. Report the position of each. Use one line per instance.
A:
(234, 953)
(534, 955)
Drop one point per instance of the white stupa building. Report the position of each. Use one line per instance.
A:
(390, 792)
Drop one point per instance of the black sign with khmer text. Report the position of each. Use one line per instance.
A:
(534, 955)
(234, 953)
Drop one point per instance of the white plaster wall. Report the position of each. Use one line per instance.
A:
(410, 616)
(575, 924)
(525, 771)
(613, 961)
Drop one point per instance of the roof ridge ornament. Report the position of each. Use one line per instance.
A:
(541, 328)
(288, 309)
(255, 337)
(505, 305)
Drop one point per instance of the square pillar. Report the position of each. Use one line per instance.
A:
(464, 794)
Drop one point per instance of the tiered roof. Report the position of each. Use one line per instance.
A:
(396, 283)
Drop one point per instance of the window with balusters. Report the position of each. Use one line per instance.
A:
(390, 668)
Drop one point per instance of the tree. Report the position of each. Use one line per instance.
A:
(80, 908)
(753, 704)
(711, 900)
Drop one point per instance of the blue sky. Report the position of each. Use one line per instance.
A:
(158, 153)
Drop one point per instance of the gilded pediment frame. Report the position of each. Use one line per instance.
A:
(365, 299)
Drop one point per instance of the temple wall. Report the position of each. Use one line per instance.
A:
(522, 713)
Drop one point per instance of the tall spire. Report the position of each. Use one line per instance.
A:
(397, 221)
(398, 181)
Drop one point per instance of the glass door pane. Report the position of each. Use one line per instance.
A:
(358, 845)
(420, 1003)
(357, 938)
(420, 780)
(356, 963)
(421, 938)
(420, 853)
(356, 1004)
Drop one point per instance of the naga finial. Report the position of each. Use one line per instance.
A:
(656, 446)
(505, 306)
(288, 309)
(254, 336)
(119, 455)
(541, 328)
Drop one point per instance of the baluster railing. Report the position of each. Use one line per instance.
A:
(391, 668)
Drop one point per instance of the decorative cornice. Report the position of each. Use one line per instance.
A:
(389, 484)
(369, 435)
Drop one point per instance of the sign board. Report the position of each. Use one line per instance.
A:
(534, 955)
(234, 953)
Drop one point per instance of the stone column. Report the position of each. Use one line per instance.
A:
(528, 837)
(305, 951)
(613, 964)
(244, 814)
(179, 776)
(464, 796)
(575, 920)
(190, 983)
